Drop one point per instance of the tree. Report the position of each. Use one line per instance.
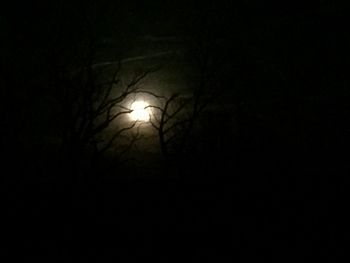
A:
(168, 120)
(94, 103)
(181, 119)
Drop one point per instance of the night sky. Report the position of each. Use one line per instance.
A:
(238, 152)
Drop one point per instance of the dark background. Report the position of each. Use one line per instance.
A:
(275, 191)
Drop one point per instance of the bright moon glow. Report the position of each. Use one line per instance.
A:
(140, 112)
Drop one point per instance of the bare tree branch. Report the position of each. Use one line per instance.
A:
(115, 136)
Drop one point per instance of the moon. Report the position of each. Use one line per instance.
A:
(140, 111)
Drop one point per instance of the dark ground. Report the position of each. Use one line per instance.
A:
(276, 201)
